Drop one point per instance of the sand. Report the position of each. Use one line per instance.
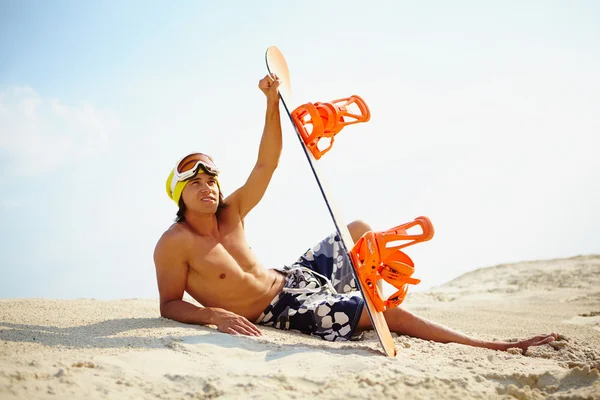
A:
(123, 349)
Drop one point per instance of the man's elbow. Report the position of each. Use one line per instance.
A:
(163, 313)
(165, 309)
(268, 166)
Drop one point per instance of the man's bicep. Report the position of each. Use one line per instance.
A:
(171, 272)
(250, 194)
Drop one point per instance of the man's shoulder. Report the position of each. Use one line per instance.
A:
(176, 235)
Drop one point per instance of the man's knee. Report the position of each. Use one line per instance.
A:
(358, 228)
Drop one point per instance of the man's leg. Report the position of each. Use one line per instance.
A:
(357, 229)
(406, 323)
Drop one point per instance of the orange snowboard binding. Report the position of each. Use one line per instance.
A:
(375, 260)
(325, 120)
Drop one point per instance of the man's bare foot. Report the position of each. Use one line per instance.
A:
(523, 344)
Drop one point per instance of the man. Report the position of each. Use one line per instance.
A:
(205, 253)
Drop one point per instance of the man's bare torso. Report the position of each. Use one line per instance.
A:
(224, 272)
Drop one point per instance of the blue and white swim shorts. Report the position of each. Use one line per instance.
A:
(320, 296)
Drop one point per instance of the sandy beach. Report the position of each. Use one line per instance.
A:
(123, 349)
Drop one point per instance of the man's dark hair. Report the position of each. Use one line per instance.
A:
(182, 208)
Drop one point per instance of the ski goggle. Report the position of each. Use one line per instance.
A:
(188, 167)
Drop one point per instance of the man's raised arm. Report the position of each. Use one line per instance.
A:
(248, 196)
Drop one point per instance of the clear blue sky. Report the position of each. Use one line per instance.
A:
(486, 118)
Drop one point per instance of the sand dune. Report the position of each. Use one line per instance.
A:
(122, 349)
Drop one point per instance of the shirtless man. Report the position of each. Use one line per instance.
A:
(205, 253)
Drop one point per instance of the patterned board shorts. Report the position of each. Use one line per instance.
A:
(320, 296)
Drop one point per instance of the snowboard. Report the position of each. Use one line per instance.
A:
(276, 64)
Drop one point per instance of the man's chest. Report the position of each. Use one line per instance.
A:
(229, 252)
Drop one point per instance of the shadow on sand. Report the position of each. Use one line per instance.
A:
(103, 335)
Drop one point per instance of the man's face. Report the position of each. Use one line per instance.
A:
(201, 194)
